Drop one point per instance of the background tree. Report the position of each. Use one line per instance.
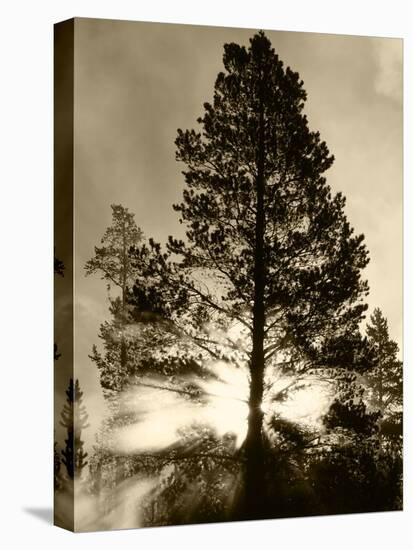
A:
(385, 381)
(74, 419)
(58, 270)
(59, 266)
(352, 471)
(57, 463)
(270, 273)
(112, 262)
(121, 357)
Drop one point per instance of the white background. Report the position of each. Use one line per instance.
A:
(26, 281)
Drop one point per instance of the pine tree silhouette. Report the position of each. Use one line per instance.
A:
(268, 248)
(57, 463)
(59, 268)
(74, 419)
(385, 380)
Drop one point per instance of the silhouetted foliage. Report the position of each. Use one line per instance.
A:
(59, 266)
(357, 478)
(349, 412)
(74, 419)
(58, 270)
(385, 381)
(57, 463)
(355, 471)
(56, 353)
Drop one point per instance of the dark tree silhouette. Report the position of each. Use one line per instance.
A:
(352, 471)
(58, 270)
(56, 353)
(59, 266)
(57, 463)
(385, 381)
(270, 273)
(74, 419)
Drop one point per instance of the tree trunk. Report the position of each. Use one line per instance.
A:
(255, 498)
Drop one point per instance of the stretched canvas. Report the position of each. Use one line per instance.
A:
(228, 274)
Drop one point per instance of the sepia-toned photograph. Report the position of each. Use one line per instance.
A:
(228, 274)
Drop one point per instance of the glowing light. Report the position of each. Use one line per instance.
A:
(162, 412)
(307, 405)
(125, 511)
(167, 418)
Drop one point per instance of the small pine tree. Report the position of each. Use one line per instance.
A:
(385, 381)
(57, 463)
(59, 268)
(74, 419)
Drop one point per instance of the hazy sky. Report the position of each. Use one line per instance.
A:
(136, 83)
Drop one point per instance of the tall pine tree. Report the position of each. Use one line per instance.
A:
(270, 270)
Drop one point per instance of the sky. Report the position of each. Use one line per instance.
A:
(137, 83)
